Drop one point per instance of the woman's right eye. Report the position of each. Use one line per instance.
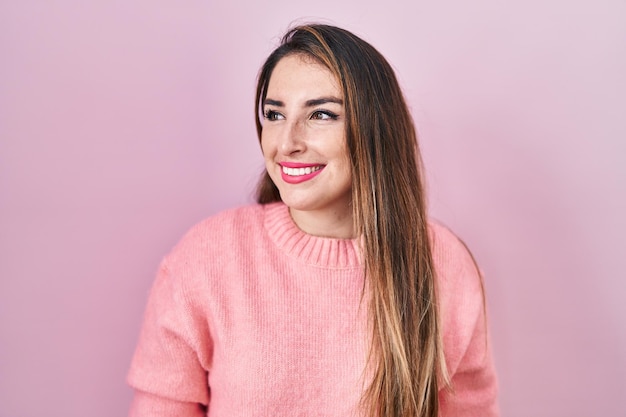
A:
(273, 115)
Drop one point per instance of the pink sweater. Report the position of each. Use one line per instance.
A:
(249, 316)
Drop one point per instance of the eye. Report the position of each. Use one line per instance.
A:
(272, 115)
(323, 115)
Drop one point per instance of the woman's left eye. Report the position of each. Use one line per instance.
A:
(323, 115)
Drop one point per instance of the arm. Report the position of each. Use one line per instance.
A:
(170, 366)
(463, 318)
(474, 383)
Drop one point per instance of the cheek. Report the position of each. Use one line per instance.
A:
(343, 155)
(347, 165)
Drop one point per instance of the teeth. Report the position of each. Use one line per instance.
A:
(295, 172)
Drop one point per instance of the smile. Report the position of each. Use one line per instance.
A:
(295, 173)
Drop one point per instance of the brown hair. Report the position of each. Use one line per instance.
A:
(389, 213)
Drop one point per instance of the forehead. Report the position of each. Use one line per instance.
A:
(301, 77)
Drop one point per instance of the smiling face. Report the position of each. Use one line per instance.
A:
(304, 145)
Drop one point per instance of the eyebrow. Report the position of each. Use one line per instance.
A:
(308, 103)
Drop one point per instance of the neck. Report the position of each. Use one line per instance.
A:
(334, 224)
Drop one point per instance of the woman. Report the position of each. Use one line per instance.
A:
(334, 296)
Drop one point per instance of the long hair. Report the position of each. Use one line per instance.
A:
(389, 212)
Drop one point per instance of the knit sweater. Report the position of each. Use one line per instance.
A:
(250, 316)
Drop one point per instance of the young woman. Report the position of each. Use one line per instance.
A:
(335, 295)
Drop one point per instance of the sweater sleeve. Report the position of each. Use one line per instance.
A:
(474, 385)
(169, 370)
(473, 390)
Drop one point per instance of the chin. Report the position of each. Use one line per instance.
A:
(297, 204)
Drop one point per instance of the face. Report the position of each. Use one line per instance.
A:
(304, 145)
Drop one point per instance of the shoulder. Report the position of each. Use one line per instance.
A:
(231, 220)
(454, 263)
(218, 233)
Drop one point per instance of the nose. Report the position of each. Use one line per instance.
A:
(292, 139)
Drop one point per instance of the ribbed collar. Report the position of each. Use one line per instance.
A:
(313, 250)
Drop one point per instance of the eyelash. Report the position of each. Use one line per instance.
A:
(330, 115)
(271, 115)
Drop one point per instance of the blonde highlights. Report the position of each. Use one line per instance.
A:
(389, 212)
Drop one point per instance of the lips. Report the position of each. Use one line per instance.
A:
(295, 172)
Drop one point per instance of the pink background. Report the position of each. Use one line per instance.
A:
(122, 123)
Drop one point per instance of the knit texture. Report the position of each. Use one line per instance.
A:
(250, 316)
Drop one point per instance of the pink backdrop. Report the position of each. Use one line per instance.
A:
(122, 123)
